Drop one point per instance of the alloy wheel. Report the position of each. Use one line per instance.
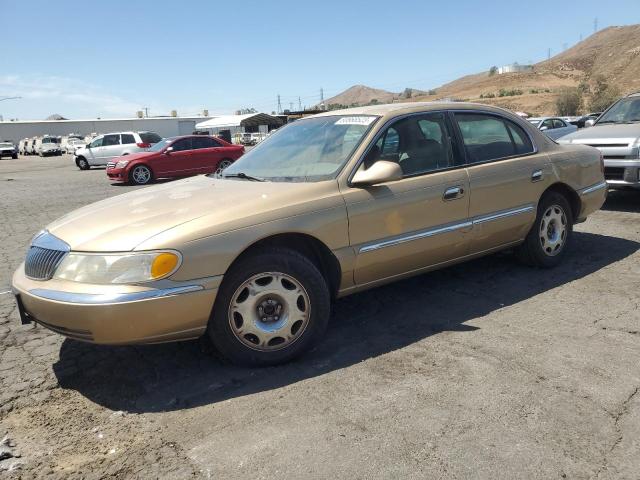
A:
(269, 311)
(141, 175)
(553, 230)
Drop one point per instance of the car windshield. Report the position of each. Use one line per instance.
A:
(625, 110)
(156, 147)
(310, 149)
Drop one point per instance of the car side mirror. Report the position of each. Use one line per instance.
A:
(589, 123)
(542, 129)
(168, 150)
(380, 172)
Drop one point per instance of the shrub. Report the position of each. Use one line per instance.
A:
(603, 95)
(493, 70)
(568, 101)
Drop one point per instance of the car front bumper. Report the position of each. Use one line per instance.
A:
(117, 174)
(117, 314)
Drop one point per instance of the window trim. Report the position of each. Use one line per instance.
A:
(467, 163)
(453, 133)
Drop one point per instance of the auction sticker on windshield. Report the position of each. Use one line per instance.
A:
(355, 120)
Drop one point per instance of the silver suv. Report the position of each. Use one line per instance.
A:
(105, 148)
(617, 135)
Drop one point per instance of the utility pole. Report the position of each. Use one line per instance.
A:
(299, 104)
(548, 53)
(290, 106)
(595, 25)
(279, 105)
(321, 95)
(146, 112)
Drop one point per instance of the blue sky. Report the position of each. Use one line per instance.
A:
(110, 59)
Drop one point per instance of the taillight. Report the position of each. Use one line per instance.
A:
(143, 145)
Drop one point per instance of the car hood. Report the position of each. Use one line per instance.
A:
(621, 133)
(124, 222)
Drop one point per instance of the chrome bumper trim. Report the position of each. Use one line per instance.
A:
(106, 298)
(593, 188)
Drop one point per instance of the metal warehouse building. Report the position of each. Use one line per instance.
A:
(163, 126)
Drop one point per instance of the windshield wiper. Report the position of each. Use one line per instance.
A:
(243, 176)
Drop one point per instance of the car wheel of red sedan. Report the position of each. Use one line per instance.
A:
(222, 165)
(140, 175)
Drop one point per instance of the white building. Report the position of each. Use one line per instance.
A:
(514, 68)
(163, 126)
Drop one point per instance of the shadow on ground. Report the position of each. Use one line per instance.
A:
(184, 375)
(623, 201)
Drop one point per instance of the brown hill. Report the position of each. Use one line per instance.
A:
(612, 53)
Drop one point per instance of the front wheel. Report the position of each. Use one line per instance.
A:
(547, 241)
(82, 163)
(140, 175)
(272, 306)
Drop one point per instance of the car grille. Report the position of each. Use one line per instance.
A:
(41, 263)
(614, 173)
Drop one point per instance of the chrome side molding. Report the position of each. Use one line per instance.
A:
(593, 188)
(106, 298)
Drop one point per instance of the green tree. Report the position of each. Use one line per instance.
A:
(603, 94)
(568, 101)
(493, 70)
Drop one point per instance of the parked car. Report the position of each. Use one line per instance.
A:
(616, 133)
(31, 146)
(553, 127)
(328, 206)
(8, 149)
(104, 148)
(248, 139)
(175, 157)
(586, 120)
(47, 145)
(74, 144)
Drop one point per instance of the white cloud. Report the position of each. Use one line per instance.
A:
(43, 95)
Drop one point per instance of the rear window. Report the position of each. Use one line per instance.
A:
(127, 138)
(150, 137)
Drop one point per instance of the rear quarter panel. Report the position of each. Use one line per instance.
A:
(576, 165)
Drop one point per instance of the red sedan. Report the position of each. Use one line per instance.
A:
(175, 157)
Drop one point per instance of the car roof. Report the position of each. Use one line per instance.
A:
(397, 109)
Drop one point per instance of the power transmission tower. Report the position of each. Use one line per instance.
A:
(299, 104)
(321, 95)
(279, 105)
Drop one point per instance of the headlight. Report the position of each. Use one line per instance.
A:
(117, 268)
(122, 163)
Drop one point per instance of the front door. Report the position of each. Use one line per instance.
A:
(94, 151)
(176, 160)
(206, 154)
(506, 175)
(110, 148)
(418, 221)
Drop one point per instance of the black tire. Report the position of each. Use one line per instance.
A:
(287, 262)
(536, 251)
(82, 163)
(139, 179)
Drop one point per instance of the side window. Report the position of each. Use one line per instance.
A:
(127, 138)
(202, 142)
(181, 145)
(111, 140)
(487, 137)
(97, 142)
(547, 123)
(419, 144)
(557, 123)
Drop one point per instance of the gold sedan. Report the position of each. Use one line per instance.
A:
(325, 207)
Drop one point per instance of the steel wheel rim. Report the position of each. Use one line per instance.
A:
(141, 174)
(269, 311)
(553, 230)
(224, 164)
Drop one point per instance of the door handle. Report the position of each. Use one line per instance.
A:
(536, 176)
(452, 193)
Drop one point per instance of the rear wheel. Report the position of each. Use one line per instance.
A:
(272, 306)
(82, 163)
(140, 175)
(547, 241)
(223, 164)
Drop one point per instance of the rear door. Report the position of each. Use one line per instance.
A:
(506, 175)
(207, 153)
(418, 221)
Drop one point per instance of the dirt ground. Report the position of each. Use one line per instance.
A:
(484, 370)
